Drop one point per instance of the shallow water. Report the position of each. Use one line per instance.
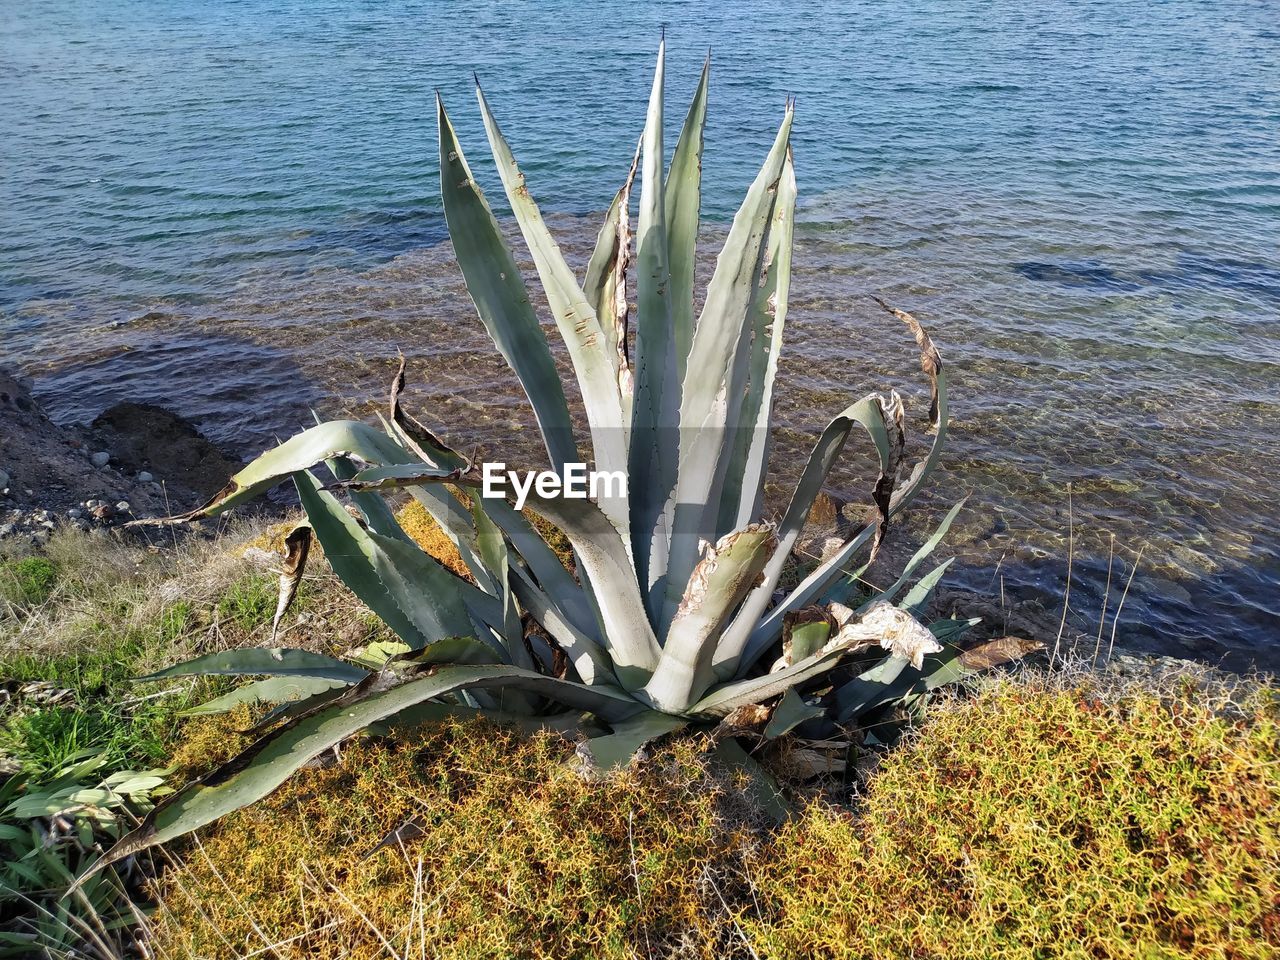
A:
(232, 209)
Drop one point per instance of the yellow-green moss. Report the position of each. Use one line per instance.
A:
(1033, 822)
(522, 858)
(1028, 822)
(426, 533)
(554, 536)
(208, 742)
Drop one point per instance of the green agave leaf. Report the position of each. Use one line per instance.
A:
(871, 688)
(950, 631)
(454, 650)
(586, 655)
(767, 630)
(446, 509)
(273, 690)
(764, 632)
(268, 763)
(619, 747)
(399, 475)
(683, 207)
(372, 507)
(883, 625)
(742, 496)
(722, 578)
(726, 698)
(435, 599)
(713, 375)
(355, 557)
(790, 712)
(808, 638)
(376, 655)
(655, 450)
(410, 591)
(918, 596)
(459, 524)
(493, 551)
(598, 548)
(576, 318)
(499, 293)
(926, 549)
(336, 438)
(752, 631)
(272, 661)
(893, 677)
(564, 591)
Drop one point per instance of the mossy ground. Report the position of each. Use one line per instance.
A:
(1035, 821)
(520, 857)
(1032, 820)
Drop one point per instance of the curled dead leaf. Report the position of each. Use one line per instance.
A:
(297, 546)
(995, 653)
(895, 630)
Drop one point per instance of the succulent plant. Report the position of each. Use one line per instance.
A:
(671, 617)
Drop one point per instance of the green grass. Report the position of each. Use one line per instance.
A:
(104, 709)
(27, 581)
(250, 602)
(79, 625)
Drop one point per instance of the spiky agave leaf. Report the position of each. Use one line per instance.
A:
(717, 363)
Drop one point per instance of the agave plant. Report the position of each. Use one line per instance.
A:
(670, 616)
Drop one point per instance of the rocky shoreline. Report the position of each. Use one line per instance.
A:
(134, 460)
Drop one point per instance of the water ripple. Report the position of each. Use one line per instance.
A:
(233, 209)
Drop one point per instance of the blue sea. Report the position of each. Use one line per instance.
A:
(231, 208)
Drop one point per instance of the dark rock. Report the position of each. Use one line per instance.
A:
(147, 438)
(46, 462)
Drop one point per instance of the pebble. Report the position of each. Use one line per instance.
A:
(47, 524)
(75, 513)
(7, 529)
(4, 481)
(100, 459)
(145, 477)
(91, 504)
(123, 506)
